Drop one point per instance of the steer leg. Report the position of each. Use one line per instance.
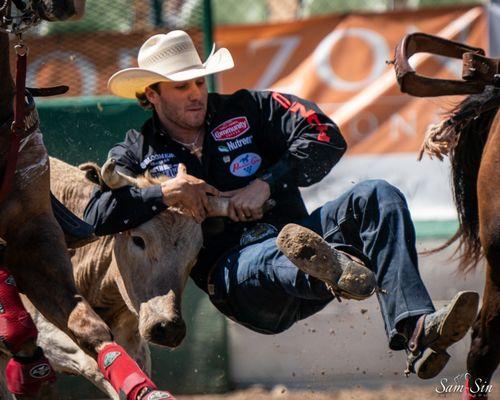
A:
(125, 329)
(65, 356)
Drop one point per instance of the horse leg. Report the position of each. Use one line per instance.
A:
(64, 354)
(40, 263)
(4, 392)
(484, 354)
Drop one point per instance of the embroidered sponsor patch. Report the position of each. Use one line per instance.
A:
(156, 157)
(231, 145)
(10, 281)
(40, 371)
(110, 358)
(245, 164)
(231, 129)
(164, 169)
(156, 395)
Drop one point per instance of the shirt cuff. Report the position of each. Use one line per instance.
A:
(153, 196)
(277, 176)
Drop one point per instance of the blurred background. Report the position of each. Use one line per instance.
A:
(333, 52)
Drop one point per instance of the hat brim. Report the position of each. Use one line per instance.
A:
(127, 82)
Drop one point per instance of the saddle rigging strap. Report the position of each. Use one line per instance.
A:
(18, 125)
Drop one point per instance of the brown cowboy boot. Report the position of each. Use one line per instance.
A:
(435, 332)
(345, 275)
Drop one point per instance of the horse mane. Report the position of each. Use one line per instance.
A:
(467, 141)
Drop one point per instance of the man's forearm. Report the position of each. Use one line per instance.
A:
(114, 211)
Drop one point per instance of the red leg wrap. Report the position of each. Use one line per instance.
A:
(25, 377)
(125, 375)
(16, 325)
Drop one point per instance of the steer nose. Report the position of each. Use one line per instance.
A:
(168, 333)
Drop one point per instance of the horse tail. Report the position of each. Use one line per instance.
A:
(465, 157)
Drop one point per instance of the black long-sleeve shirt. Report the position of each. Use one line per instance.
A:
(281, 138)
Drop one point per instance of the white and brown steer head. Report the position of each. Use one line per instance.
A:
(154, 261)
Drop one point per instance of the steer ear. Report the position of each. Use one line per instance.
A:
(92, 172)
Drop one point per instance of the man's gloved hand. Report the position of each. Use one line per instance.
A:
(189, 193)
(245, 204)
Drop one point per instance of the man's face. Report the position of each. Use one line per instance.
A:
(182, 104)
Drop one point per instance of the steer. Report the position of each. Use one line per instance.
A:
(134, 280)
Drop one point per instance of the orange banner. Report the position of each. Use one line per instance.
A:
(338, 61)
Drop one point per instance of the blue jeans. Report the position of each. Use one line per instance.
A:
(258, 287)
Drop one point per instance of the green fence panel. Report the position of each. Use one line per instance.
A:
(99, 15)
(79, 130)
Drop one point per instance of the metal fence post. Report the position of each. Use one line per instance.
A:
(207, 27)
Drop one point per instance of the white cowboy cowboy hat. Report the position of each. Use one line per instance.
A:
(167, 57)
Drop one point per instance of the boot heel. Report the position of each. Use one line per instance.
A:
(431, 364)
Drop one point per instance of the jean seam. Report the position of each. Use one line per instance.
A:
(331, 232)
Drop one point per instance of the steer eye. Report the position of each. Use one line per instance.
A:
(138, 241)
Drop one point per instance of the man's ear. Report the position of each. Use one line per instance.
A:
(151, 95)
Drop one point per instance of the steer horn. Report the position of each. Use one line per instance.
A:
(115, 179)
(219, 206)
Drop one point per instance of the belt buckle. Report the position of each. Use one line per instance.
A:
(211, 289)
(257, 233)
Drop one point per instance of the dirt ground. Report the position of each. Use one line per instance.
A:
(385, 393)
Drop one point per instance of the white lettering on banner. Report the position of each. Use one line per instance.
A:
(451, 64)
(322, 53)
(400, 125)
(287, 45)
(86, 69)
(363, 119)
(126, 57)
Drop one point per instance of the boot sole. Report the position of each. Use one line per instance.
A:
(431, 364)
(462, 313)
(312, 255)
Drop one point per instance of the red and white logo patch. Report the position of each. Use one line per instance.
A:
(231, 129)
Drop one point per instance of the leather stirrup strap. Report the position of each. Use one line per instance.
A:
(414, 341)
(18, 126)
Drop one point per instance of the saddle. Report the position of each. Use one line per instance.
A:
(77, 232)
(478, 70)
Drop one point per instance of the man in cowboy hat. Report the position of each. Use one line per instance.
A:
(254, 146)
